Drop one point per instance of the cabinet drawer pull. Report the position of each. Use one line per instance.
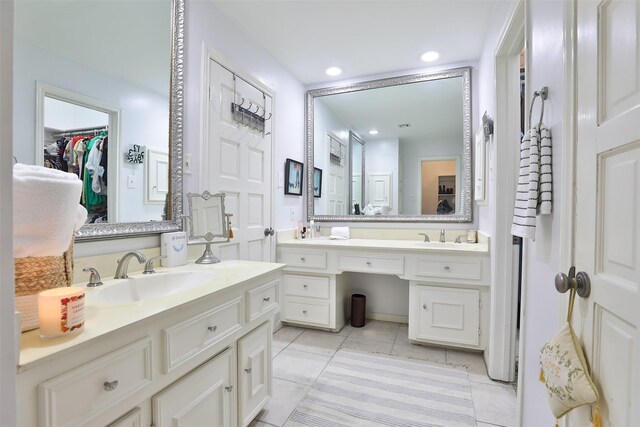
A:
(424, 306)
(212, 328)
(302, 259)
(304, 311)
(369, 263)
(247, 370)
(110, 385)
(228, 388)
(446, 267)
(305, 286)
(267, 299)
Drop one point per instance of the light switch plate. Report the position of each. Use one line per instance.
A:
(187, 164)
(280, 180)
(131, 181)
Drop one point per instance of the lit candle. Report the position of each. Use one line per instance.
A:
(61, 311)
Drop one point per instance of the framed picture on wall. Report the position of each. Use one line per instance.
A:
(317, 182)
(293, 174)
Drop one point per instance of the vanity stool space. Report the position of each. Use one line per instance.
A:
(448, 284)
(197, 357)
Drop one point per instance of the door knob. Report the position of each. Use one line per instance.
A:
(580, 282)
(268, 231)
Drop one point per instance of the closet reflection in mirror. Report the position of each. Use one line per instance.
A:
(397, 147)
(100, 100)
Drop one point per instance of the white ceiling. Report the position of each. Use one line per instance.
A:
(362, 37)
(433, 109)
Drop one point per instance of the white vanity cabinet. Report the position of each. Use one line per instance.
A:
(204, 360)
(446, 315)
(203, 397)
(447, 285)
(254, 373)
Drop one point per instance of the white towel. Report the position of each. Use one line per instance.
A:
(339, 233)
(534, 183)
(46, 210)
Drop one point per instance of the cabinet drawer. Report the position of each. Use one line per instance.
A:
(76, 396)
(306, 286)
(316, 259)
(262, 299)
(132, 418)
(186, 339)
(469, 269)
(307, 310)
(374, 263)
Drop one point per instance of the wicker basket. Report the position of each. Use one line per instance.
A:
(37, 274)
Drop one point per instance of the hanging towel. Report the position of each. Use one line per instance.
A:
(46, 210)
(546, 188)
(533, 195)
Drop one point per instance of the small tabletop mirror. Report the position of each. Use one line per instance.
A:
(207, 223)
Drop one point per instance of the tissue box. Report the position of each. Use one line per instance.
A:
(173, 246)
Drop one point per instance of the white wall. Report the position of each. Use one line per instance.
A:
(63, 115)
(542, 258)
(205, 23)
(8, 345)
(144, 117)
(382, 156)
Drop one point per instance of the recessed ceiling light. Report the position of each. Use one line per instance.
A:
(373, 132)
(430, 56)
(334, 71)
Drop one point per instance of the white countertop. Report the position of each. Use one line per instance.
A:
(101, 320)
(393, 245)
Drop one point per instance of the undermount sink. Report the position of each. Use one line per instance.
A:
(148, 287)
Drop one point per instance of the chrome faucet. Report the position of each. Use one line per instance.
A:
(148, 267)
(426, 238)
(123, 264)
(442, 236)
(94, 277)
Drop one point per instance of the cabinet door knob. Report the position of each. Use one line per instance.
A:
(369, 263)
(228, 388)
(304, 311)
(446, 267)
(302, 259)
(424, 306)
(247, 370)
(212, 328)
(110, 385)
(305, 286)
(267, 299)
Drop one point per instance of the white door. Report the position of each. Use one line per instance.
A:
(205, 397)
(254, 372)
(336, 178)
(380, 189)
(607, 242)
(237, 162)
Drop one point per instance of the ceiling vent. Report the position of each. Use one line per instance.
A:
(404, 125)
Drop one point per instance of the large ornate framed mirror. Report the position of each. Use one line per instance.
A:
(400, 148)
(116, 89)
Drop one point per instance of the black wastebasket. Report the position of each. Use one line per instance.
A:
(358, 308)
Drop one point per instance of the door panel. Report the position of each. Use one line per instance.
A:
(607, 229)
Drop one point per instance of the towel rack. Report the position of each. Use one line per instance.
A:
(543, 94)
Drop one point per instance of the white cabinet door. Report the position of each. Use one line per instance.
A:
(254, 372)
(449, 315)
(205, 397)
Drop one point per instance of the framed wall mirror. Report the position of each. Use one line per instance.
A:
(398, 148)
(107, 106)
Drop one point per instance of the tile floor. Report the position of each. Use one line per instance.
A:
(300, 356)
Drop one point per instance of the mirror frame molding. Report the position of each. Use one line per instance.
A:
(176, 109)
(465, 214)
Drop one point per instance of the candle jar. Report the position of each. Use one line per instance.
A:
(61, 311)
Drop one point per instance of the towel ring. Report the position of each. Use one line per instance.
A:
(543, 94)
